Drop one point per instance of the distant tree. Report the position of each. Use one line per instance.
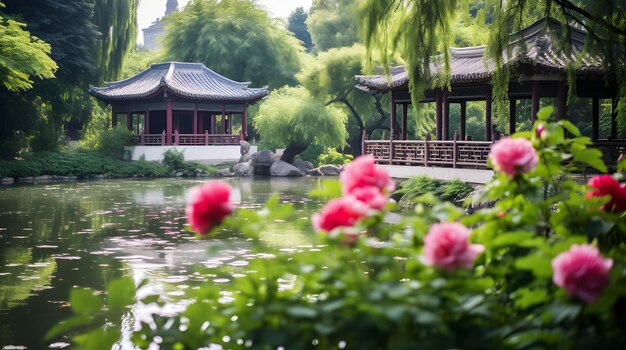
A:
(22, 56)
(138, 60)
(331, 79)
(296, 23)
(333, 23)
(236, 38)
(290, 118)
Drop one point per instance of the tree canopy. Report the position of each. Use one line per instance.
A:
(333, 23)
(290, 118)
(22, 56)
(235, 38)
(296, 23)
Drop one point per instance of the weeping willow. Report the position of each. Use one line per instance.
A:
(419, 31)
(116, 21)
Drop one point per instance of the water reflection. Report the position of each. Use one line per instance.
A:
(54, 237)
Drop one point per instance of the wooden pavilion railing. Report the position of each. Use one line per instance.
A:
(457, 154)
(205, 139)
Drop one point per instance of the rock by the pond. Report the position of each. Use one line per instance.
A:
(179, 174)
(245, 158)
(243, 169)
(302, 165)
(314, 172)
(262, 162)
(245, 147)
(225, 173)
(330, 170)
(280, 168)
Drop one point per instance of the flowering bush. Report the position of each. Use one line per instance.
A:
(543, 266)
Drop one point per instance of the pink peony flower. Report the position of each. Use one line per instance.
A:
(582, 272)
(208, 206)
(340, 212)
(447, 246)
(363, 172)
(539, 130)
(605, 185)
(370, 196)
(513, 156)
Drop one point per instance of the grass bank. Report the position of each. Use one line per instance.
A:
(453, 191)
(86, 163)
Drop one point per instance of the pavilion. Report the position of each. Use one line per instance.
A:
(537, 70)
(173, 103)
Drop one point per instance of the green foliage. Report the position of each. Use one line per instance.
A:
(80, 163)
(236, 38)
(331, 156)
(292, 115)
(332, 23)
(174, 159)
(378, 294)
(138, 60)
(453, 191)
(112, 141)
(22, 56)
(296, 23)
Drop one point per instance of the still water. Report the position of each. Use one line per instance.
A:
(57, 236)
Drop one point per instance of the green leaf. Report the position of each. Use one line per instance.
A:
(538, 263)
(545, 112)
(510, 238)
(84, 301)
(121, 293)
(98, 339)
(68, 324)
(591, 157)
(301, 311)
(527, 297)
(570, 127)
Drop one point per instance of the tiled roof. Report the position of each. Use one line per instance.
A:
(535, 46)
(186, 80)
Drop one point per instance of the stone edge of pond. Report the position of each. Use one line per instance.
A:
(58, 178)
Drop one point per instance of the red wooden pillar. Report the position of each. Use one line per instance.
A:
(405, 114)
(201, 117)
(488, 97)
(223, 121)
(561, 96)
(512, 115)
(463, 118)
(168, 122)
(244, 121)
(438, 114)
(146, 122)
(535, 99)
(595, 118)
(230, 123)
(394, 121)
(446, 115)
(129, 121)
(195, 118)
(212, 124)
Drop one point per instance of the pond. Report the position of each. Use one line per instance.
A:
(57, 236)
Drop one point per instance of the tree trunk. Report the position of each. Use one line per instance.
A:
(292, 150)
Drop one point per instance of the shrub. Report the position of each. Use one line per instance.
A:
(452, 191)
(112, 141)
(333, 157)
(174, 159)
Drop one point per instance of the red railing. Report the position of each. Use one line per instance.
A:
(205, 139)
(457, 154)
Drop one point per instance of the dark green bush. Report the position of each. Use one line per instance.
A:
(453, 191)
(112, 141)
(174, 159)
(331, 156)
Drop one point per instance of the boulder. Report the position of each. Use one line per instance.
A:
(245, 158)
(243, 169)
(280, 168)
(245, 148)
(314, 172)
(179, 174)
(302, 165)
(225, 173)
(262, 162)
(329, 170)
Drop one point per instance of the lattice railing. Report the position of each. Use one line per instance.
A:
(205, 139)
(379, 149)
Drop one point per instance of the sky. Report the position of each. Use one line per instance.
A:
(149, 10)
